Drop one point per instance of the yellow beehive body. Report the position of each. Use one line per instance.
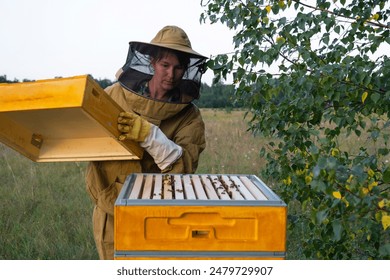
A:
(148, 227)
(64, 119)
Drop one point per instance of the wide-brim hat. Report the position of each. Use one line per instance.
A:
(170, 37)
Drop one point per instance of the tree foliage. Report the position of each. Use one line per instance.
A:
(3, 79)
(217, 95)
(312, 73)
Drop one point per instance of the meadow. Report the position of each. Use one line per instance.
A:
(46, 212)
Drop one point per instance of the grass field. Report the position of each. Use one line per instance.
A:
(46, 212)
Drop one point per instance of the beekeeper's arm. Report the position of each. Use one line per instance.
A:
(163, 150)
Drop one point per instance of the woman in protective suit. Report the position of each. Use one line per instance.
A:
(155, 88)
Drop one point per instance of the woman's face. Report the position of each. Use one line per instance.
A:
(167, 74)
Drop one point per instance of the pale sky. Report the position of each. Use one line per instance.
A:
(42, 39)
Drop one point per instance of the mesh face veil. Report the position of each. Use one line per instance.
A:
(138, 69)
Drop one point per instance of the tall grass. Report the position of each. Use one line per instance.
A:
(231, 149)
(45, 210)
(46, 213)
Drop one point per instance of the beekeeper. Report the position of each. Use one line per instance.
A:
(155, 87)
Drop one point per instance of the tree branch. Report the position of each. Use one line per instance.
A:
(339, 15)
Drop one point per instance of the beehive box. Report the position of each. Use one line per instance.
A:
(65, 119)
(173, 216)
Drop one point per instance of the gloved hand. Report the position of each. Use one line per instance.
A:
(165, 152)
(133, 127)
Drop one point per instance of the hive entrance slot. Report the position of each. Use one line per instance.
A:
(200, 233)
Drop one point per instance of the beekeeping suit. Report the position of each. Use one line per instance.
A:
(171, 132)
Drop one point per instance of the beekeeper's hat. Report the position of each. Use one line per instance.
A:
(171, 37)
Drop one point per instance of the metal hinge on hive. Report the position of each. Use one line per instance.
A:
(37, 140)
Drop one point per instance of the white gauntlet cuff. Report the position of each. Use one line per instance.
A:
(164, 151)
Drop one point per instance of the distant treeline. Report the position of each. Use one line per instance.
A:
(214, 96)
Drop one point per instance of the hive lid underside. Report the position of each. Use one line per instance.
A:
(66, 134)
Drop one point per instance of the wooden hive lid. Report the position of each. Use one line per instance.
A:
(63, 119)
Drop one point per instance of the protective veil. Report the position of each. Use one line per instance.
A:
(137, 68)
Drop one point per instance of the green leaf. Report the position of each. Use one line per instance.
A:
(384, 250)
(325, 38)
(321, 216)
(275, 9)
(337, 230)
(337, 29)
(386, 175)
(375, 97)
(262, 152)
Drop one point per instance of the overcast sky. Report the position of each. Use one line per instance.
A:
(42, 39)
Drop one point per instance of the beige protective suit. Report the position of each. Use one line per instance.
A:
(180, 122)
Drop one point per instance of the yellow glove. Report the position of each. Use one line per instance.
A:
(164, 151)
(133, 127)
